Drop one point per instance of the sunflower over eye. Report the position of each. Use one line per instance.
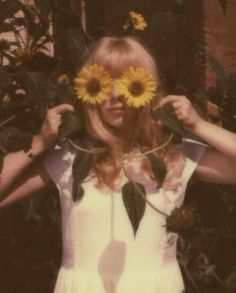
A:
(137, 86)
(93, 84)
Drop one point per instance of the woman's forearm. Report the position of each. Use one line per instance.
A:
(218, 137)
(15, 164)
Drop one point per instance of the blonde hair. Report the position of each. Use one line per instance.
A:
(115, 54)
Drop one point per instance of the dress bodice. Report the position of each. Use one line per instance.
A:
(97, 233)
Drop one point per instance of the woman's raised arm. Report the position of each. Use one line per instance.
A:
(218, 163)
(16, 163)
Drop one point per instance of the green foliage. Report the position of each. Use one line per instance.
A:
(29, 74)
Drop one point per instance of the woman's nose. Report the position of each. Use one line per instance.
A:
(115, 95)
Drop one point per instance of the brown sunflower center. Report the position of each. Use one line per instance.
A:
(93, 86)
(136, 88)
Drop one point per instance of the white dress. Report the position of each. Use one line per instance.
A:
(100, 253)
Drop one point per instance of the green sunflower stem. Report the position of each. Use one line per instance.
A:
(92, 151)
(140, 191)
(11, 118)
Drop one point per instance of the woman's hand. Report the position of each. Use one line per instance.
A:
(49, 129)
(183, 110)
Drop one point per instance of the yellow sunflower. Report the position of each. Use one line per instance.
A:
(63, 78)
(93, 84)
(137, 86)
(135, 21)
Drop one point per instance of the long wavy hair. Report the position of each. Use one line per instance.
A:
(116, 54)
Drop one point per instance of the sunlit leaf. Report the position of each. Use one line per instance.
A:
(80, 169)
(158, 168)
(134, 203)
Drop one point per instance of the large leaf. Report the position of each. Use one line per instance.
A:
(80, 170)
(41, 62)
(39, 88)
(71, 123)
(223, 4)
(158, 168)
(134, 203)
(167, 116)
(13, 139)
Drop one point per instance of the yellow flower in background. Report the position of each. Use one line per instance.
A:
(137, 86)
(135, 21)
(93, 84)
(63, 78)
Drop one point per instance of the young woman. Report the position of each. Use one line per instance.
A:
(101, 254)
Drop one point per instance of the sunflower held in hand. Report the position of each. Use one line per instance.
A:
(93, 84)
(137, 86)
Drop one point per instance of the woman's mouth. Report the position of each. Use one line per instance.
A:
(117, 110)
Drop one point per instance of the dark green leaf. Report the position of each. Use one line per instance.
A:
(8, 9)
(71, 123)
(65, 94)
(80, 170)
(41, 62)
(217, 68)
(223, 4)
(13, 139)
(5, 79)
(158, 168)
(75, 45)
(39, 88)
(7, 27)
(134, 203)
(167, 116)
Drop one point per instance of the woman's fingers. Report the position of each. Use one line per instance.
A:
(183, 110)
(63, 108)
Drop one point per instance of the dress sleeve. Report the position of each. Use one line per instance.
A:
(193, 151)
(57, 161)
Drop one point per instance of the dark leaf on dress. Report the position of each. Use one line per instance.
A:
(134, 203)
(80, 170)
(158, 168)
